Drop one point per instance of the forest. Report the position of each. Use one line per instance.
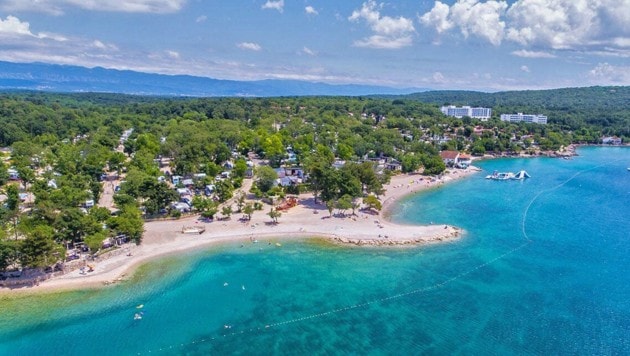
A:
(59, 150)
(601, 108)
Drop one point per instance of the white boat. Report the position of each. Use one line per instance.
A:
(193, 229)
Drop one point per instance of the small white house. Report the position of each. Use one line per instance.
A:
(13, 174)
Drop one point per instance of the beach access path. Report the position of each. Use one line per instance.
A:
(307, 219)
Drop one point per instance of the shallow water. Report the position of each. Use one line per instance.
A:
(548, 279)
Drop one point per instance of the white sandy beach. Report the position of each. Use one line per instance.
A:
(307, 219)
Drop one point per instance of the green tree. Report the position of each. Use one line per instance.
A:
(274, 214)
(226, 211)
(240, 201)
(410, 163)
(95, 241)
(128, 222)
(433, 164)
(38, 249)
(344, 203)
(330, 206)
(372, 202)
(8, 253)
(265, 178)
(248, 210)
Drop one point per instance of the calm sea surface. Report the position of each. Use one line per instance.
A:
(544, 269)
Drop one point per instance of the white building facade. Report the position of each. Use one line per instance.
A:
(459, 112)
(520, 117)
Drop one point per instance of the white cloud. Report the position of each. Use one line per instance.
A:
(438, 77)
(471, 17)
(384, 42)
(104, 46)
(274, 5)
(308, 51)
(582, 25)
(532, 54)
(606, 74)
(438, 18)
(249, 46)
(173, 54)
(13, 26)
(525, 69)
(201, 18)
(56, 6)
(311, 10)
(389, 32)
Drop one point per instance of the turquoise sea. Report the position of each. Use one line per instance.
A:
(544, 269)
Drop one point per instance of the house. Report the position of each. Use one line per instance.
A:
(288, 181)
(449, 157)
(393, 165)
(188, 182)
(611, 140)
(52, 184)
(294, 172)
(463, 161)
(338, 164)
(13, 174)
(281, 172)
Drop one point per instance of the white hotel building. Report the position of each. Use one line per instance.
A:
(459, 112)
(520, 117)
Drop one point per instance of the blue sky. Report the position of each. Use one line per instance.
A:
(449, 44)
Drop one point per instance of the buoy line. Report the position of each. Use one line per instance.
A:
(527, 242)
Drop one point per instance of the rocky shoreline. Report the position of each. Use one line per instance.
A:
(452, 233)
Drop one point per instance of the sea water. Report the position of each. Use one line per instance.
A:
(543, 268)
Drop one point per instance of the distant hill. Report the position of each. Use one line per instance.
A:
(62, 78)
(605, 98)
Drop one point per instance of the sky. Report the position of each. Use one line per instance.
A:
(450, 44)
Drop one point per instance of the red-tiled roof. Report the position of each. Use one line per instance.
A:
(449, 154)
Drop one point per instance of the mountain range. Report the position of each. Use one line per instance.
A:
(66, 78)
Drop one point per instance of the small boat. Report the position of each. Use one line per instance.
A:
(193, 229)
(140, 306)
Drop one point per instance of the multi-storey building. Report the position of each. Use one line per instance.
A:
(520, 117)
(459, 112)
